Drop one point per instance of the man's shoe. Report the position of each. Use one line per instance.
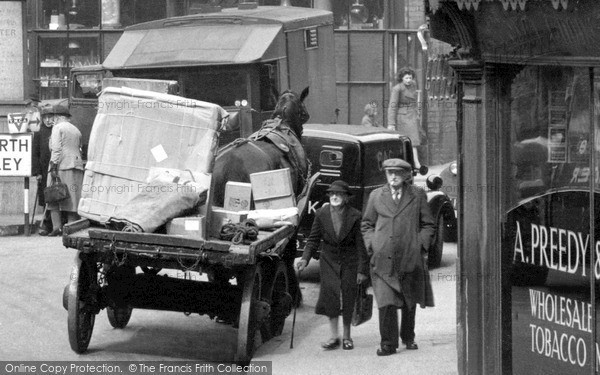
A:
(43, 232)
(386, 350)
(411, 345)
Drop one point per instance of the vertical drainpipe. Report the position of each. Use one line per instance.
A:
(421, 35)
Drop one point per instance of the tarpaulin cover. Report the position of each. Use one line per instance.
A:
(136, 131)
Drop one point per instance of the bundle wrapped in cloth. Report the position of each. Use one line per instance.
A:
(274, 218)
(166, 196)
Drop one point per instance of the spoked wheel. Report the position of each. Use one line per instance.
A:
(253, 312)
(276, 293)
(437, 245)
(80, 304)
(119, 312)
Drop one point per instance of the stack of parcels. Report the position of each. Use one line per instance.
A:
(150, 149)
(273, 198)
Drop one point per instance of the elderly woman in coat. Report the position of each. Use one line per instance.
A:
(397, 228)
(66, 162)
(343, 261)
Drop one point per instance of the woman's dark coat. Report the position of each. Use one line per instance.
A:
(41, 159)
(397, 236)
(342, 257)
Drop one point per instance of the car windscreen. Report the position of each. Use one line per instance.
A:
(374, 155)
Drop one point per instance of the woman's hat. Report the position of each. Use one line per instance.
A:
(339, 186)
(55, 106)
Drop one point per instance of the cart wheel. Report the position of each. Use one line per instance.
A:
(252, 313)
(118, 316)
(65, 297)
(276, 287)
(81, 317)
(118, 310)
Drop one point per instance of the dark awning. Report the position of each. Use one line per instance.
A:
(195, 45)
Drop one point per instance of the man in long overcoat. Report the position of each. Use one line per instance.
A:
(398, 227)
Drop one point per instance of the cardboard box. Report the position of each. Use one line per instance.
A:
(189, 226)
(238, 196)
(275, 203)
(221, 216)
(136, 131)
(273, 189)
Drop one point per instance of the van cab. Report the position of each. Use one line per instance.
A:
(355, 154)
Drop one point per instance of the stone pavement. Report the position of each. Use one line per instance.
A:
(435, 329)
(435, 335)
(12, 225)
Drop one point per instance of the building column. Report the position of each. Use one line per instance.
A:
(478, 294)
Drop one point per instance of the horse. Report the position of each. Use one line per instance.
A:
(261, 152)
(276, 145)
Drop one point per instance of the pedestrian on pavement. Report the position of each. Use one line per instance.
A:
(65, 161)
(398, 227)
(40, 162)
(343, 261)
(402, 112)
(369, 119)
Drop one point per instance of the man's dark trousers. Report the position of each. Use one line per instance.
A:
(388, 325)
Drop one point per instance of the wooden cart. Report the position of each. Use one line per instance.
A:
(248, 283)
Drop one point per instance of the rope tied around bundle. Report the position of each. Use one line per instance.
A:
(237, 233)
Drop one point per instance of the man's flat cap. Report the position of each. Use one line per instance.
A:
(396, 164)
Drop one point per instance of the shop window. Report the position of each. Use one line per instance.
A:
(550, 129)
(53, 71)
(138, 11)
(550, 252)
(72, 14)
(358, 14)
(83, 50)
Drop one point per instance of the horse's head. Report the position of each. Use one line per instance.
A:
(290, 108)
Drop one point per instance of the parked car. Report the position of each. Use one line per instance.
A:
(354, 154)
(449, 175)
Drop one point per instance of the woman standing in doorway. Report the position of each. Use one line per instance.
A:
(402, 111)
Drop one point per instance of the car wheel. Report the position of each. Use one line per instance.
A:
(451, 228)
(437, 245)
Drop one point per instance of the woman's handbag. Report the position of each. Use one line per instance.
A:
(57, 191)
(363, 307)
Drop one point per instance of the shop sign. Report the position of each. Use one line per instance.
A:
(17, 123)
(11, 50)
(550, 269)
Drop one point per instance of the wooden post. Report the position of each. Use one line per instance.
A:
(26, 206)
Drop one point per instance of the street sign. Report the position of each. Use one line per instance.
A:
(17, 123)
(15, 154)
(34, 119)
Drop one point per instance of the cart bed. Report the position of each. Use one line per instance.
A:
(82, 236)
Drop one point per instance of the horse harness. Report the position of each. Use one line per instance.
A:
(282, 137)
